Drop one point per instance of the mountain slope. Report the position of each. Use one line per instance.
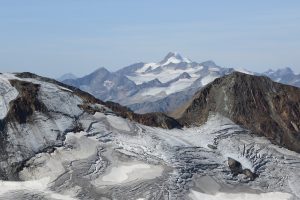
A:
(45, 110)
(267, 108)
(58, 142)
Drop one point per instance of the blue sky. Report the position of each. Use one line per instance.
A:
(58, 36)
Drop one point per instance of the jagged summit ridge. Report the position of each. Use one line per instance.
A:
(173, 58)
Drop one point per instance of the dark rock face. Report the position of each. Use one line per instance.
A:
(236, 168)
(266, 108)
(149, 119)
(26, 103)
(249, 175)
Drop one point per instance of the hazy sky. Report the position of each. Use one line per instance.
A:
(58, 36)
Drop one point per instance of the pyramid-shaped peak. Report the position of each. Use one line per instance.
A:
(174, 57)
(173, 54)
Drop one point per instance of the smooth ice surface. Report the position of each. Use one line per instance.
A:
(118, 123)
(126, 172)
(8, 188)
(194, 195)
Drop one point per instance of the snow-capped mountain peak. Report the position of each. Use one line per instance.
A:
(175, 58)
(155, 86)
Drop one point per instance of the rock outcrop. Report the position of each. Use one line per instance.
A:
(236, 168)
(257, 103)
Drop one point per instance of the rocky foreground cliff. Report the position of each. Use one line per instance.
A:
(257, 103)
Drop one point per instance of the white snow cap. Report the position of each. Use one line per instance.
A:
(174, 57)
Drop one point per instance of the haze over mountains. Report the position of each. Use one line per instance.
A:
(158, 86)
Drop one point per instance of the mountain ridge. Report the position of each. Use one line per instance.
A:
(265, 107)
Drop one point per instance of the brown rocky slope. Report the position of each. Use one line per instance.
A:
(266, 108)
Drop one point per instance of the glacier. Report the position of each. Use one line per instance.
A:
(114, 158)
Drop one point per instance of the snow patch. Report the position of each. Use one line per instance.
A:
(108, 84)
(208, 79)
(177, 86)
(244, 71)
(127, 172)
(118, 122)
(146, 67)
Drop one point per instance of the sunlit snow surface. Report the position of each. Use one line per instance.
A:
(113, 158)
(239, 196)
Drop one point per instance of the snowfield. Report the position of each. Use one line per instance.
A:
(126, 172)
(109, 157)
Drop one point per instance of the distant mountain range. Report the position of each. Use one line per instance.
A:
(161, 86)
